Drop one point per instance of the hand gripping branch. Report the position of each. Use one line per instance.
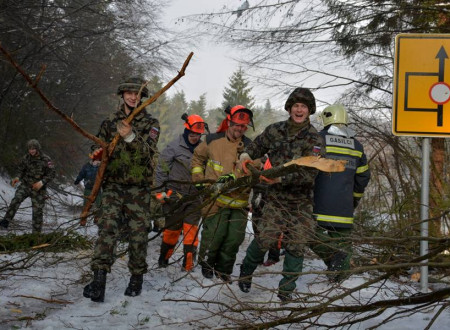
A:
(106, 146)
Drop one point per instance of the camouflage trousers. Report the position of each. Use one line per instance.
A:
(124, 208)
(288, 217)
(37, 202)
(293, 219)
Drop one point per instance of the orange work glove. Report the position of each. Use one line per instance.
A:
(262, 178)
(162, 197)
(14, 182)
(37, 185)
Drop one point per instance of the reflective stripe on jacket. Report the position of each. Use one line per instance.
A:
(216, 156)
(334, 192)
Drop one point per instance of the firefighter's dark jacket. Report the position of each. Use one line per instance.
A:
(334, 193)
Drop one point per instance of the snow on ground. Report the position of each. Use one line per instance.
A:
(48, 295)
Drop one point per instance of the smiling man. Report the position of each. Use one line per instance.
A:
(225, 219)
(288, 203)
(126, 190)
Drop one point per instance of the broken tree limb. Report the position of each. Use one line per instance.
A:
(107, 147)
(48, 103)
(112, 145)
(215, 189)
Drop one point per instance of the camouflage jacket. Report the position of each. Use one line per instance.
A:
(131, 163)
(281, 148)
(37, 168)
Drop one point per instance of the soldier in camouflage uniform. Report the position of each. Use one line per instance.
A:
(288, 204)
(36, 170)
(126, 190)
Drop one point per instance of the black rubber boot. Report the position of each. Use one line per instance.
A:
(166, 253)
(245, 281)
(336, 264)
(135, 286)
(207, 271)
(96, 289)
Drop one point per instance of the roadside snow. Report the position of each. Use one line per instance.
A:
(48, 294)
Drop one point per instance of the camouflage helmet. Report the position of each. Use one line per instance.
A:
(301, 95)
(33, 144)
(132, 84)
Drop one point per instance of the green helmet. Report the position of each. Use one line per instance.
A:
(33, 144)
(301, 95)
(132, 84)
(334, 114)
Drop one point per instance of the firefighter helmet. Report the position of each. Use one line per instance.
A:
(195, 123)
(239, 115)
(334, 114)
(133, 84)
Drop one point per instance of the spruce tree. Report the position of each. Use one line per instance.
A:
(238, 91)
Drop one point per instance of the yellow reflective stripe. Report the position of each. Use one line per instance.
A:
(344, 151)
(362, 169)
(330, 218)
(197, 169)
(231, 202)
(215, 166)
(355, 194)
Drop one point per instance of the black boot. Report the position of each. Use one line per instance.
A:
(207, 271)
(165, 254)
(335, 265)
(135, 286)
(245, 281)
(96, 289)
(224, 277)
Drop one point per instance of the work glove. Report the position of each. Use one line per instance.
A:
(37, 185)
(14, 182)
(356, 202)
(244, 160)
(264, 179)
(163, 197)
(200, 186)
(225, 178)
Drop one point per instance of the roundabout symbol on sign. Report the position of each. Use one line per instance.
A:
(440, 93)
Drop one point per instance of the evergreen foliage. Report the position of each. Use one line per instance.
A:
(57, 242)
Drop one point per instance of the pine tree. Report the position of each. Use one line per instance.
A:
(238, 91)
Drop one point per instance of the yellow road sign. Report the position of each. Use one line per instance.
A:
(421, 85)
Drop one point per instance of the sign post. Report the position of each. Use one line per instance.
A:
(421, 106)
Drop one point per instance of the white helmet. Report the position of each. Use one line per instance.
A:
(334, 114)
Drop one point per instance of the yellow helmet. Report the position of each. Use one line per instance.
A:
(334, 114)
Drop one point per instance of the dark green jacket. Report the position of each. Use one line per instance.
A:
(37, 168)
(131, 163)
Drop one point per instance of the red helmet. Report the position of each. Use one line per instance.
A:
(240, 115)
(195, 123)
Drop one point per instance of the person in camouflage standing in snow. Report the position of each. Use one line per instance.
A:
(126, 190)
(36, 170)
(288, 204)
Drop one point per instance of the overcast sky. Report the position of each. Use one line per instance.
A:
(210, 68)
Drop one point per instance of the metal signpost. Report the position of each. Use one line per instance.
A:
(421, 96)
